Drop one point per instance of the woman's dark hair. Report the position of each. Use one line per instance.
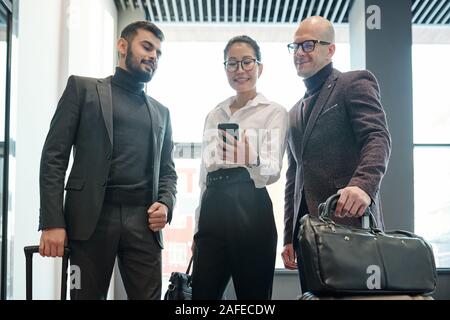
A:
(243, 39)
(130, 31)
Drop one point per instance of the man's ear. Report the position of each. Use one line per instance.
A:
(331, 50)
(122, 47)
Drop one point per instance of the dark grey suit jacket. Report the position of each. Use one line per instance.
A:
(346, 142)
(84, 120)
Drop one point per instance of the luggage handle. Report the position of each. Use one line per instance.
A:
(325, 209)
(29, 252)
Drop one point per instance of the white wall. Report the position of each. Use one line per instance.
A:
(39, 49)
(93, 34)
(56, 38)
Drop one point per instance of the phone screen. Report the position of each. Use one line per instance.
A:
(230, 128)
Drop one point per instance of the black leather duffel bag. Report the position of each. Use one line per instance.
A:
(343, 260)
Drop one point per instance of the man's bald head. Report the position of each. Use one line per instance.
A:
(319, 26)
(321, 31)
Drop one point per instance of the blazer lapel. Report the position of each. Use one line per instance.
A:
(154, 117)
(318, 107)
(105, 96)
(157, 145)
(296, 127)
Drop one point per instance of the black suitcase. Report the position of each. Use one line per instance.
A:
(29, 251)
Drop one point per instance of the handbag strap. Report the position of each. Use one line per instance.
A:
(329, 206)
(189, 266)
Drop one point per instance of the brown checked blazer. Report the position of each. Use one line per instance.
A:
(346, 142)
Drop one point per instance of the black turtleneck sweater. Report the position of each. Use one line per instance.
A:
(130, 176)
(313, 86)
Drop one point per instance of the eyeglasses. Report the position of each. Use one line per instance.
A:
(307, 46)
(247, 64)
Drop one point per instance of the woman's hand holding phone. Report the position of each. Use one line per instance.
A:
(236, 151)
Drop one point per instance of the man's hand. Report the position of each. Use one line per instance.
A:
(52, 242)
(289, 258)
(157, 216)
(353, 202)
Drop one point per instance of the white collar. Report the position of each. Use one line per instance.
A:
(258, 100)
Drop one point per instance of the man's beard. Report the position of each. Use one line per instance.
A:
(133, 66)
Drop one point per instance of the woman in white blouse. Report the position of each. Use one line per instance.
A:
(235, 232)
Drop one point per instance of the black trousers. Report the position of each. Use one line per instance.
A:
(236, 238)
(302, 211)
(122, 232)
(301, 275)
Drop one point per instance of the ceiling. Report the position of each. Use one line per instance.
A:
(270, 11)
(431, 12)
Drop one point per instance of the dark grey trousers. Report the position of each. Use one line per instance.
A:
(122, 232)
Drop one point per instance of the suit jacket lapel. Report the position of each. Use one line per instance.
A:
(320, 104)
(105, 96)
(297, 128)
(155, 125)
(157, 145)
(297, 119)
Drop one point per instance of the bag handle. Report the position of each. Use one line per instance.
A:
(329, 206)
(403, 232)
(189, 266)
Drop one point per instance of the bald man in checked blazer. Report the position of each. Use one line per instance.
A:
(338, 140)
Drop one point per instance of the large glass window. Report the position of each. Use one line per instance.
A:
(432, 148)
(191, 81)
(432, 204)
(431, 97)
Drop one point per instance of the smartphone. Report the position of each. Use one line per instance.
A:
(230, 128)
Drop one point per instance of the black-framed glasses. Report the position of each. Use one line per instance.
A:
(247, 64)
(307, 46)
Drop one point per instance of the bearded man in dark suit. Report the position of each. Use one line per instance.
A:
(121, 189)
